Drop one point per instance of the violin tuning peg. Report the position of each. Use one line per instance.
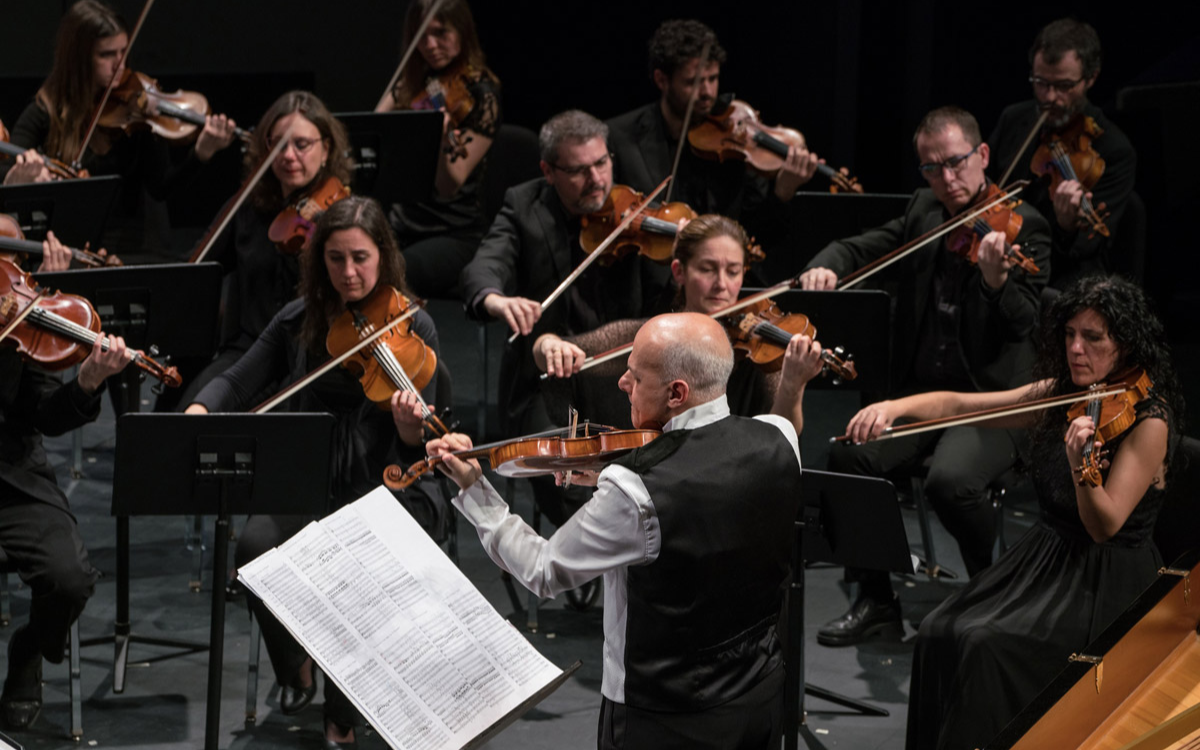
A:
(153, 350)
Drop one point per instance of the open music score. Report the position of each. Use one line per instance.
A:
(400, 629)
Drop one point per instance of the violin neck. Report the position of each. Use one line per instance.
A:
(772, 333)
(170, 109)
(14, 245)
(9, 149)
(659, 226)
(771, 143)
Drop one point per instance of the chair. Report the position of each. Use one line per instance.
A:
(75, 688)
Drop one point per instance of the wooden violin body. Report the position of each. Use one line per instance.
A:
(1068, 154)
(292, 227)
(1112, 416)
(761, 333)
(399, 360)
(738, 133)
(1002, 217)
(535, 456)
(136, 103)
(652, 233)
(56, 330)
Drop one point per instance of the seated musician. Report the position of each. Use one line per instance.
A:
(990, 649)
(711, 255)
(439, 235)
(263, 277)
(644, 141)
(533, 245)
(691, 649)
(352, 252)
(1064, 64)
(955, 325)
(92, 39)
(38, 533)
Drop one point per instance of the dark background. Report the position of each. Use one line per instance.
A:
(853, 76)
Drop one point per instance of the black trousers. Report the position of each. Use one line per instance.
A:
(260, 534)
(42, 541)
(753, 721)
(964, 461)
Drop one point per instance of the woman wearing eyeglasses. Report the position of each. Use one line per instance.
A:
(439, 234)
(955, 326)
(263, 278)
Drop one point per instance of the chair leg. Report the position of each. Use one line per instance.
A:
(252, 673)
(482, 404)
(76, 686)
(932, 568)
(996, 494)
(531, 611)
(196, 542)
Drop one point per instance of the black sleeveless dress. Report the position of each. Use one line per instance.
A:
(988, 651)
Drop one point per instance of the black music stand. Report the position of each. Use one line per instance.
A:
(858, 320)
(846, 520)
(174, 305)
(220, 464)
(76, 210)
(395, 153)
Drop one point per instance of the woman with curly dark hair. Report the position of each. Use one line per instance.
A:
(988, 650)
(351, 253)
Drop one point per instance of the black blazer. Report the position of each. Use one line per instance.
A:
(996, 327)
(530, 248)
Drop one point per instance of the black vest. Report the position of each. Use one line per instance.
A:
(701, 621)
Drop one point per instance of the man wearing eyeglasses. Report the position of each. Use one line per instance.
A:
(644, 141)
(1065, 61)
(956, 325)
(532, 246)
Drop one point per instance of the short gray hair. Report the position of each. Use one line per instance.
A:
(572, 125)
(706, 372)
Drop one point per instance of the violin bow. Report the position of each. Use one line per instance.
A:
(287, 392)
(243, 193)
(1028, 139)
(687, 115)
(595, 254)
(941, 230)
(943, 423)
(412, 47)
(730, 309)
(137, 28)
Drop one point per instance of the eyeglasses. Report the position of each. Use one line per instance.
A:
(581, 169)
(955, 164)
(302, 145)
(1061, 87)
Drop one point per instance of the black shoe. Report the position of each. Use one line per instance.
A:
(294, 699)
(335, 745)
(21, 702)
(865, 618)
(582, 598)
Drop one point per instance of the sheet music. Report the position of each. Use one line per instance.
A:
(400, 629)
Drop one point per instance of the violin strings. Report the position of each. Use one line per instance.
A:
(391, 367)
(1063, 162)
(71, 329)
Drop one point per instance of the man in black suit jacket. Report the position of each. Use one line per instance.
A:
(1064, 64)
(645, 140)
(532, 245)
(956, 325)
(37, 530)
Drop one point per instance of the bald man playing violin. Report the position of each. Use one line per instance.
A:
(38, 533)
(692, 535)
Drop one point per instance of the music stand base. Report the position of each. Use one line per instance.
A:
(861, 707)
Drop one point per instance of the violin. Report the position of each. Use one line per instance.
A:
(399, 360)
(537, 455)
(737, 133)
(761, 332)
(293, 225)
(13, 246)
(57, 169)
(1000, 217)
(448, 91)
(1067, 154)
(137, 103)
(652, 232)
(57, 330)
(1112, 415)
